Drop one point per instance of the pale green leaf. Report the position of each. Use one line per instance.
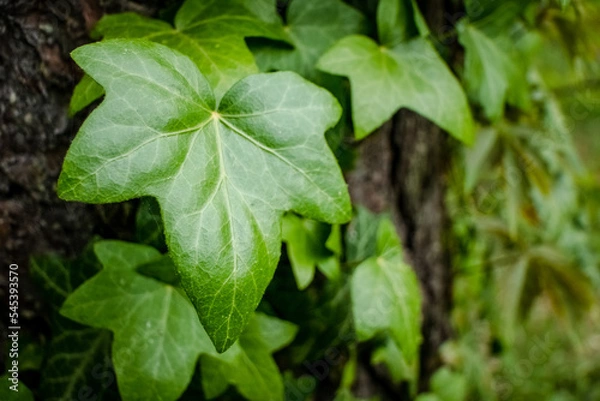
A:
(86, 91)
(385, 296)
(410, 75)
(390, 355)
(248, 364)
(307, 248)
(398, 21)
(157, 335)
(492, 76)
(222, 174)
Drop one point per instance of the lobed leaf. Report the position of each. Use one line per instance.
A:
(409, 75)
(386, 297)
(223, 172)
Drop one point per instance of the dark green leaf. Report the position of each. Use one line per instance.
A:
(248, 364)
(157, 335)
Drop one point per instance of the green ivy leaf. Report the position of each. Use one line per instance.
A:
(313, 27)
(158, 338)
(398, 21)
(361, 235)
(86, 91)
(248, 364)
(157, 335)
(307, 247)
(385, 295)
(391, 356)
(211, 33)
(222, 174)
(492, 76)
(410, 74)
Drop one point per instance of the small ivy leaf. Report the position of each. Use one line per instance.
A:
(157, 335)
(492, 76)
(390, 355)
(306, 247)
(385, 295)
(248, 364)
(398, 21)
(410, 74)
(223, 175)
(86, 91)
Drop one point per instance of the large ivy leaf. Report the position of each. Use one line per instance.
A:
(385, 295)
(222, 173)
(248, 364)
(492, 76)
(157, 335)
(211, 33)
(86, 349)
(313, 27)
(309, 245)
(410, 74)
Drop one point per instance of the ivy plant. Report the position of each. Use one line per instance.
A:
(229, 120)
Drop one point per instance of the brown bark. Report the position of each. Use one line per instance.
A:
(420, 164)
(403, 168)
(37, 78)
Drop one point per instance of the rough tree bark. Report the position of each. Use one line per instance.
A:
(37, 78)
(403, 168)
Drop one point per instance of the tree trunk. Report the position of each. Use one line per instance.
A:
(403, 168)
(37, 77)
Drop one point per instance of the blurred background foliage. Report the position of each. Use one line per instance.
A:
(525, 202)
